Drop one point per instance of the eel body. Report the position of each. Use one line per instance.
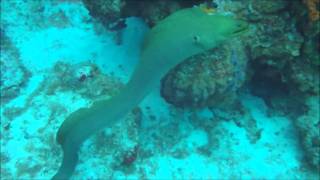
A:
(183, 34)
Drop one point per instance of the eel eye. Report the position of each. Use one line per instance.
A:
(196, 38)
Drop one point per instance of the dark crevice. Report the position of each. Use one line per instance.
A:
(267, 82)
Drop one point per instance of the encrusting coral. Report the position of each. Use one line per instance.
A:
(313, 9)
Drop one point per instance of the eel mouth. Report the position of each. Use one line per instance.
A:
(242, 27)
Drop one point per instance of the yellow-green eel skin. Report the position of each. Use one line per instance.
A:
(182, 34)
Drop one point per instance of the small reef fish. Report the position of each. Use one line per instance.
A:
(182, 34)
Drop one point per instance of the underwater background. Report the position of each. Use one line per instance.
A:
(247, 109)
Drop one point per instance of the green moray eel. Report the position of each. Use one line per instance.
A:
(182, 34)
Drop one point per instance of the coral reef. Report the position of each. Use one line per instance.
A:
(84, 78)
(268, 6)
(313, 9)
(283, 52)
(109, 12)
(206, 79)
(14, 75)
(241, 117)
(283, 58)
(106, 11)
(284, 65)
(151, 11)
(308, 126)
(305, 77)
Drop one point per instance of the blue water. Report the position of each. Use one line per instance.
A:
(55, 59)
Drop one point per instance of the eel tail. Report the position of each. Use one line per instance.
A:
(69, 162)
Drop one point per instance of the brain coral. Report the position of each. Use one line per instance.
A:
(206, 79)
